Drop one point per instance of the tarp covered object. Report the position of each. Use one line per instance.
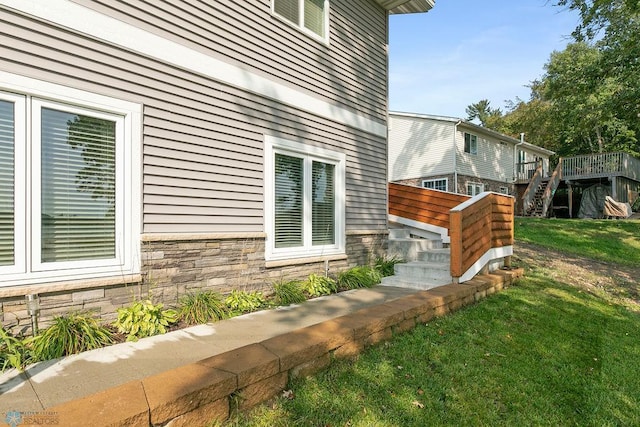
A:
(592, 203)
(617, 209)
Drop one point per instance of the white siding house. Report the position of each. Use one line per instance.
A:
(451, 154)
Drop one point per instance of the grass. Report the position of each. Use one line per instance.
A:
(540, 353)
(602, 240)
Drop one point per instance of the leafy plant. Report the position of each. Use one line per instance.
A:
(144, 319)
(359, 277)
(13, 351)
(289, 292)
(386, 266)
(240, 302)
(316, 285)
(202, 307)
(69, 334)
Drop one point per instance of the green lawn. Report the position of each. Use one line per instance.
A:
(540, 353)
(616, 241)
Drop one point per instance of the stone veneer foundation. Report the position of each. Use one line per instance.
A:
(173, 266)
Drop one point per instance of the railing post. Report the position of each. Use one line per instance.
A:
(455, 236)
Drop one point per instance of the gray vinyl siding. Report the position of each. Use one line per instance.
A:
(350, 70)
(203, 140)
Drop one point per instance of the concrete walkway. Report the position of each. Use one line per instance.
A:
(50, 383)
(189, 377)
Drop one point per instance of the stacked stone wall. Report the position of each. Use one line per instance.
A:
(173, 268)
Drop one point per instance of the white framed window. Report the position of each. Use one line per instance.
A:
(470, 143)
(69, 198)
(304, 200)
(504, 190)
(436, 184)
(474, 188)
(311, 16)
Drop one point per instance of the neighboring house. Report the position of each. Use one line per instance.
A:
(174, 146)
(451, 154)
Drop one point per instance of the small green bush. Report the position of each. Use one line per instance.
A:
(240, 302)
(290, 292)
(202, 307)
(316, 285)
(144, 319)
(386, 266)
(13, 351)
(359, 277)
(70, 334)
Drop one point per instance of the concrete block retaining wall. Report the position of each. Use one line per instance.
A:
(210, 389)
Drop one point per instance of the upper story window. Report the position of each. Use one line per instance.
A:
(310, 15)
(470, 143)
(435, 184)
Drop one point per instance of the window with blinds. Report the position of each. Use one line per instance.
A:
(77, 186)
(64, 169)
(304, 200)
(289, 192)
(323, 204)
(310, 15)
(7, 187)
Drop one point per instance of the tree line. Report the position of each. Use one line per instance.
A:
(588, 99)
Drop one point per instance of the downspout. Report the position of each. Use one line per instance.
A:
(515, 156)
(455, 156)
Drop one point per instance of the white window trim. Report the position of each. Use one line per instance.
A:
(19, 185)
(471, 151)
(446, 183)
(29, 271)
(475, 184)
(275, 145)
(300, 24)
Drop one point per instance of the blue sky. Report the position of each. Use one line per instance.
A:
(463, 51)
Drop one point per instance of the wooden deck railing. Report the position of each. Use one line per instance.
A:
(478, 227)
(530, 193)
(600, 166)
(550, 191)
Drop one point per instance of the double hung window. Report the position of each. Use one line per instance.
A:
(64, 168)
(470, 143)
(309, 15)
(304, 200)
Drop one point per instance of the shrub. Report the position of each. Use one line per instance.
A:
(202, 307)
(359, 277)
(317, 286)
(240, 302)
(70, 334)
(287, 293)
(13, 351)
(144, 319)
(386, 266)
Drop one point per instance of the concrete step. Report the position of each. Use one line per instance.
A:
(399, 233)
(422, 284)
(409, 249)
(436, 255)
(424, 270)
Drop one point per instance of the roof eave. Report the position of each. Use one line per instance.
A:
(407, 6)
